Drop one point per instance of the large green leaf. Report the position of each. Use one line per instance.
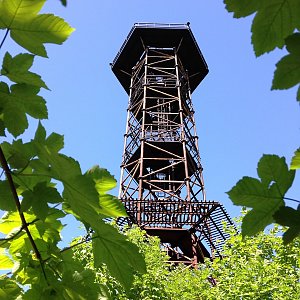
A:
(11, 10)
(22, 99)
(117, 253)
(264, 196)
(243, 8)
(273, 169)
(290, 217)
(273, 23)
(17, 70)
(295, 164)
(29, 29)
(104, 181)
(45, 28)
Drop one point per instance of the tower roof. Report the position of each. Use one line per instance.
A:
(156, 35)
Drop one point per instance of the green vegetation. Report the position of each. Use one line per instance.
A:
(252, 268)
(40, 186)
(276, 24)
(36, 192)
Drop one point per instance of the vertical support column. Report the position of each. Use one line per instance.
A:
(196, 139)
(125, 139)
(182, 133)
(142, 139)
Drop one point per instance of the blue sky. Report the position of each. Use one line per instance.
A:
(238, 118)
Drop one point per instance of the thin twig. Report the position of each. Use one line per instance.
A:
(291, 199)
(4, 38)
(18, 205)
(5, 240)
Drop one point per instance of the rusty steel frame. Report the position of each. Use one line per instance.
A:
(161, 182)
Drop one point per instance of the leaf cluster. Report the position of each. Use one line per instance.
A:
(251, 268)
(40, 185)
(276, 24)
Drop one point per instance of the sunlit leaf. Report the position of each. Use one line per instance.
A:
(295, 164)
(11, 10)
(5, 262)
(30, 30)
(104, 181)
(45, 28)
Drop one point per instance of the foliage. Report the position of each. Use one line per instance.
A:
(276, 24)
(42, 185)
(252, 268)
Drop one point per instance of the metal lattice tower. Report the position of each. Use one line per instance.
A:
(162, 187)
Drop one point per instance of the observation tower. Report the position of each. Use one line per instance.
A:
(161, 185)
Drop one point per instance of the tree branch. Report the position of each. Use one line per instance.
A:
(18, 205)
(4, 38)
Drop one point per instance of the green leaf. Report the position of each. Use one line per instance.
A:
(39, 198)
(34, 105)
(114, 248)
(265, 196)
(45, 28)
(293, 43)
(12, 10)
(287, 73)
(16, 69)
(16, 103)
(290, 217)
(40, 134)
(7, 200)
(30, 30)
(63, 2)
(9, 289)
(18, 154)
(11, 221)
(272, 168)
(242, 8)
(295, 163)
(104, 181)
(5, 262)
(273, 23)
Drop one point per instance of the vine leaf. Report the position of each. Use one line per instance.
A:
(287, 73)
(29, 29)
(295, 164)
(242, 8)
(114, 248)
(16, 69)
(20, 100)
(290, 217)
(273, 23)
(264, 196)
